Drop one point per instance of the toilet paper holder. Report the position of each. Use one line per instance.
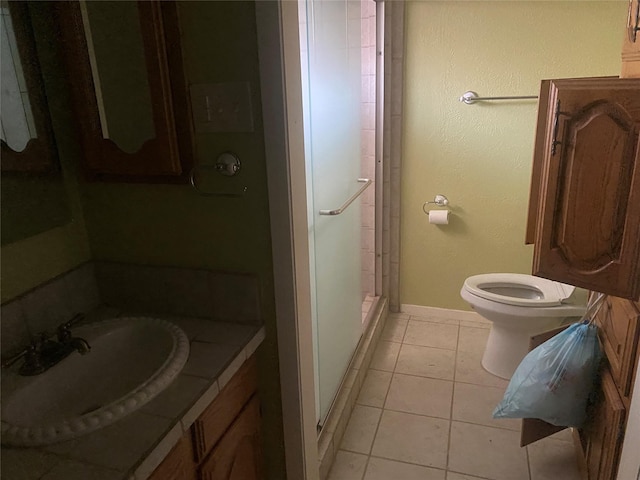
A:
(439, 200)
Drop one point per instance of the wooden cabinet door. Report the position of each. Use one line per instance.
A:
(588, 225)
(209, 428)
(238, 455)
(618, 328)
(631, 42)
(165, 155)
(604, 433)
(178, 465)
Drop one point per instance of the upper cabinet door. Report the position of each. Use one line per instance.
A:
(129, 89)
(588, 223)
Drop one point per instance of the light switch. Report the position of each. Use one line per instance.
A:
(222, 107)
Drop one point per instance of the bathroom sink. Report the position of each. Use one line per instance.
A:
(131, 360)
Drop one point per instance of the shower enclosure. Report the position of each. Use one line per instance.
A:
(340, 194)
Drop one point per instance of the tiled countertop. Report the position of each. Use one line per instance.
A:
(134, 446)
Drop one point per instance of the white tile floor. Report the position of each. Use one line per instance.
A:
(424, 413)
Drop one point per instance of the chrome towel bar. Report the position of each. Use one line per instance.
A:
(472, 97)
(350, 200)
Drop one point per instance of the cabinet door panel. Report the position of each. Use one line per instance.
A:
(178, 465)
(618, 322)
(238, 454)
(589, 220)
(604, 433)
(216, 419)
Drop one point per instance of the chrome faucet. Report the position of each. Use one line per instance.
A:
(42, 354)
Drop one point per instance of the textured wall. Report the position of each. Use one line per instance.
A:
(480, 155)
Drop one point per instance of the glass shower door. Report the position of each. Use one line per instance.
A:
(330, 47)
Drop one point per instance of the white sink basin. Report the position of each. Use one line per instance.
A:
(131, 361)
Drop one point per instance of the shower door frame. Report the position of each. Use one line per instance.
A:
(281, 96)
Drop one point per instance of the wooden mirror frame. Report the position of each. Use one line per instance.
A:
(166, 158)
(40, 155)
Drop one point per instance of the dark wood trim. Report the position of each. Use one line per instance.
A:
(538, 162)
(168, 157)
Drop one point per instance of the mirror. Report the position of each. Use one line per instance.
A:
(118, 66)
(17, 117)
(128, 89)
(27, 136)
(33, 195)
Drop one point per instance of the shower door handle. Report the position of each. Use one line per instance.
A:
(338, 211)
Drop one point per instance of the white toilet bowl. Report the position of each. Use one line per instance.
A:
(519, 306)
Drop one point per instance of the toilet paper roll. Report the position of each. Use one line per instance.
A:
(439, 217)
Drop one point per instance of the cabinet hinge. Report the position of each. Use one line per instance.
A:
(556, 125)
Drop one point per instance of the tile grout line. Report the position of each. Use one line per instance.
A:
(526, 450)
(387, 393)
(453, 395)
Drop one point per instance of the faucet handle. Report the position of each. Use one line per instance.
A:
(77, 318)
(64, 329)
(28, 350)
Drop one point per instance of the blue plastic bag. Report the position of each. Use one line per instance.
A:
(554, 380)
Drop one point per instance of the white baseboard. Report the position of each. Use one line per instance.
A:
(441, 313)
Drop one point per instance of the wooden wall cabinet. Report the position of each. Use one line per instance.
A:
(584, 213)
(584, 222)
(105, 97)
(225, 442)
(631, 42)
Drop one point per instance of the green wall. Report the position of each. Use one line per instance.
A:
(480, 156)
(173, 225)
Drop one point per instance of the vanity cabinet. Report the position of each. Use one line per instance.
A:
(178, 464)
(599, 441)
(584, 213)
(631, 42)
(224, 443)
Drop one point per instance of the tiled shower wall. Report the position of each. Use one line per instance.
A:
(131, 289)
(368, 143)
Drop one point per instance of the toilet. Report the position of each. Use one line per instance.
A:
(519, 306)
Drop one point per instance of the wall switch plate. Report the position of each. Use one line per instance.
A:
(222, 107)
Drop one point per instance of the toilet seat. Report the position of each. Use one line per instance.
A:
(543, 292)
